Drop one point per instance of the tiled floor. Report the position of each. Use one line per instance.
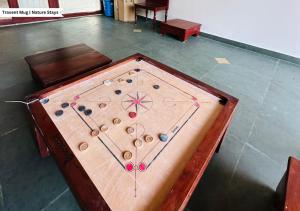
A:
(243, 176)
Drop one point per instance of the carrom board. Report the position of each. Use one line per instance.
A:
(136, 135)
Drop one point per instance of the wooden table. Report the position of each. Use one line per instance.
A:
(152, 5)
(134, 135)
(181, 28)
(55, 66)
(288, 190)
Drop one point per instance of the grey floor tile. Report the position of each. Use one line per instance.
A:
(288, 75)
(260, 64)
(274, 141)
(32, 186)
(14, 115)
(1, 199)
(254, 182)
(13, 73)
(273, 136)
(276, 131)
(244, 119)
(65, 201)
(241, 80)
(17, 150)
(212, 191)
(121, 53)
(245, 115)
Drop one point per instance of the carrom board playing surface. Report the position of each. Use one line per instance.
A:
(136, 135)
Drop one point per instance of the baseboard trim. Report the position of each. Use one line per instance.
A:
(253, 48)
(246, 46)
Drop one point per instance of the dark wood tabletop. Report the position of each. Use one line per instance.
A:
(55, 66)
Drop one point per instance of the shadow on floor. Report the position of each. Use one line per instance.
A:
(244, 195)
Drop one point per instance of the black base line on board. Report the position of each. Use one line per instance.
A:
(172, 138)
(82, 118)
(111, 153)
(88, 90)
(169, 83)
(99, 138)
(173, 125)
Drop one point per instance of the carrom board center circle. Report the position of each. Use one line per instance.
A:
(138, 102)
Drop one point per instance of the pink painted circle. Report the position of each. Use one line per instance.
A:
(129, 167)
(73, 104)
(142, 167)
(76, 97)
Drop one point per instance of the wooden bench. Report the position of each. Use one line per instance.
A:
(51, 67)
(180, 28)
(152, 5)
(288, 190)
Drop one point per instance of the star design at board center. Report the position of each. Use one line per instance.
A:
(137, 102)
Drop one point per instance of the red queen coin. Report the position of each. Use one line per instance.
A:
(132, 114)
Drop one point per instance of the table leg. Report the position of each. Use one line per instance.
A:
(219, 146)
(281, 192)
(196, 34)
(166, 15)
(43, 149)
(135, 15)
(154, 19)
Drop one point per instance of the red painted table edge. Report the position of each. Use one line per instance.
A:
(288, 190)
(81, 185)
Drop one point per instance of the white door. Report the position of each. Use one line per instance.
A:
(33, 3)
(74, 6)
(4, 4)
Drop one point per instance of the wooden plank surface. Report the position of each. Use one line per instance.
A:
(55, 66)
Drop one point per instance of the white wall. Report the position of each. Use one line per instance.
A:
(269, 24)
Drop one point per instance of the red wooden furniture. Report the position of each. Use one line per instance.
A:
(55, 66)
(51, 67)
(155, 6)
(180, 28)
(288, 190)
(80, 183)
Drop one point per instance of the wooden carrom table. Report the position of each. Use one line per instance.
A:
(135, 135)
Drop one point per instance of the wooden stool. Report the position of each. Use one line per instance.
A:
(55, 66)
(52, 67)
(288, 190)
(180, 28)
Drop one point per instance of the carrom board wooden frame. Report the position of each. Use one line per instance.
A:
(81, 185)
